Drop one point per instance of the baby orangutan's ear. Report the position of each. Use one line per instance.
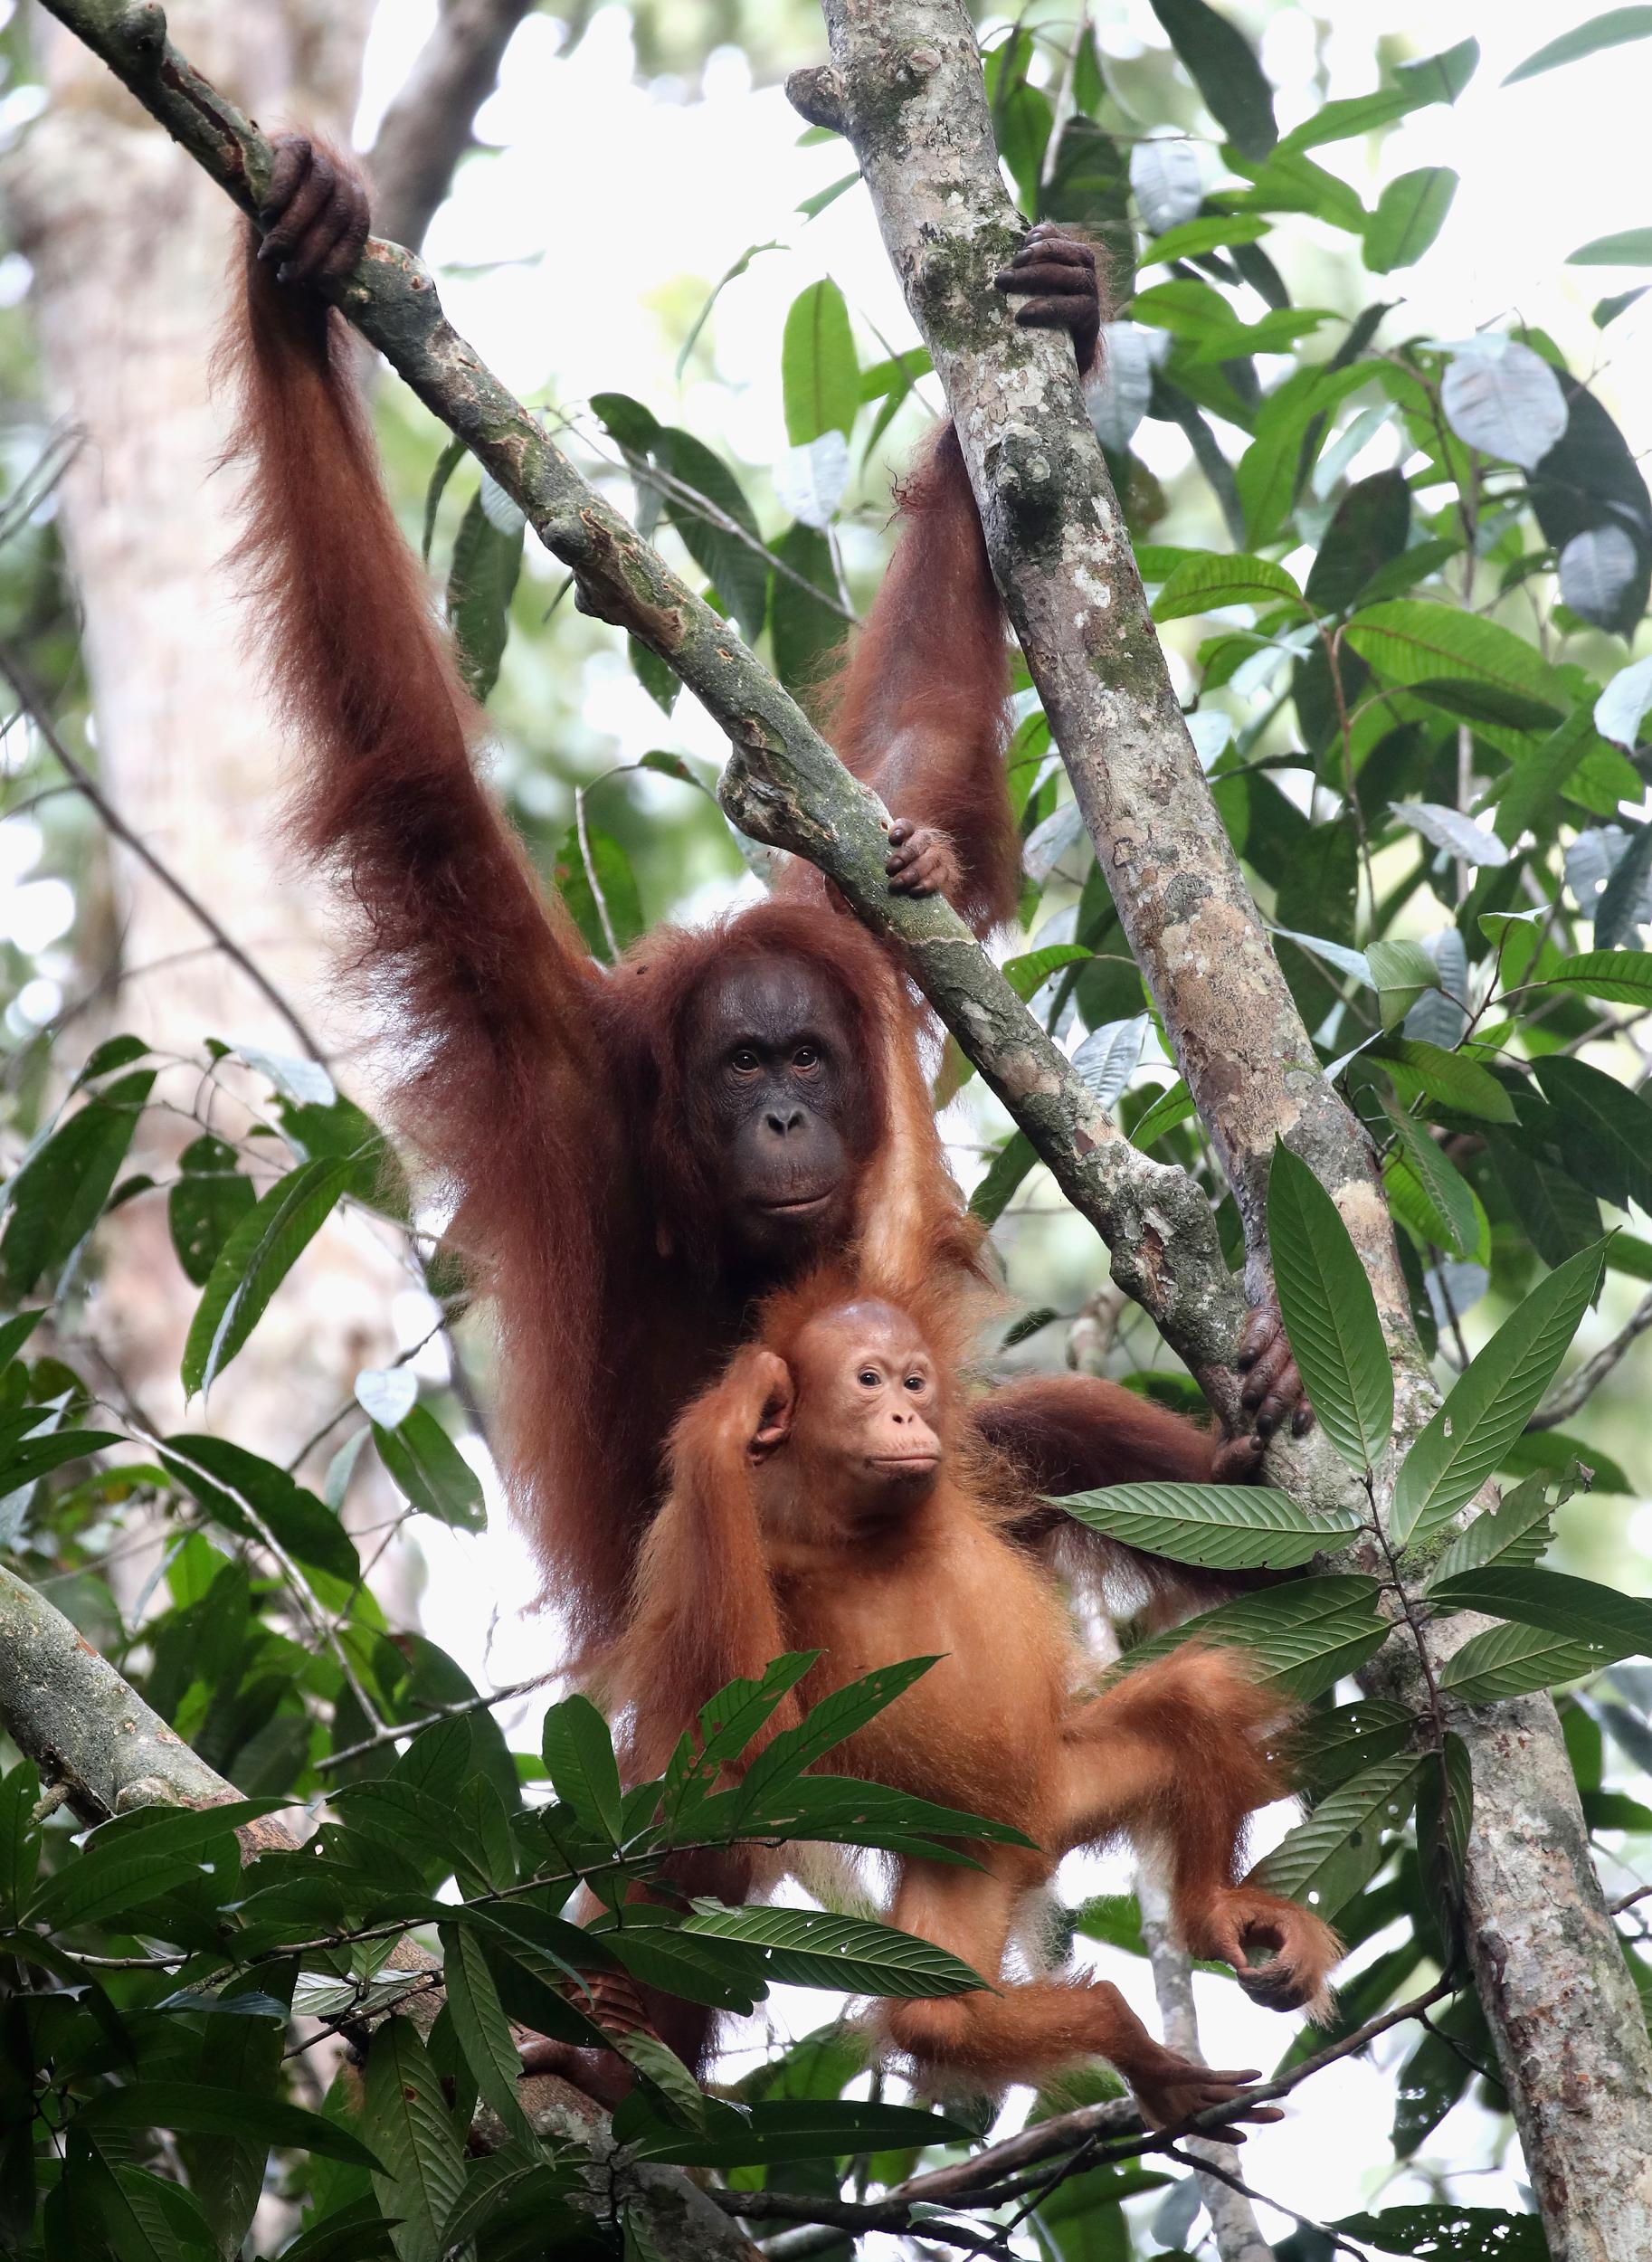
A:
(774, 1423)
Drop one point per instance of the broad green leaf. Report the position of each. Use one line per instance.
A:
(1437, 2071)
(1605, 1126)
(481, 2026)
(595, 878)
(1328, 1748)
(1613, 28)
(845, 1811)
(707, 507)
(250, 1496)
(206, 1204)
(1171, 1108)
(1448, 1191)
(447, 462)
(1488, 1406)
(239, 2057)
(1410, 213)
(806, 630)
(1445, 1814)
(812, 1948)
(1220, 63)
(15, 1332)
(429, 1468)
(58, 1195)
(799, 2128)
(1367, 532)
(32, 1458)
(1327, 1860)
(820, 376)
(1632, 247)
(1212, 231)
(1513, 1660)
(253, 1262)
(1539, 775)
(1005, 1172)
(1329, 1312)
(1582, 1610)
(19, 1839)
(1514, 1532)
(1304, 1637)
(1451, 1078)
(420, 2171)
(1227, 1528)
(580, 1761)
(1028, 974)
(193, 2108)
(1622, 978)
(1204, 584)
(93, 1891)
(487, 563)
(1413, 639)
(827, 1724)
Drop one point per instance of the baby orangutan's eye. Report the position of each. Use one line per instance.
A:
(915, 1382)
(868, 1378)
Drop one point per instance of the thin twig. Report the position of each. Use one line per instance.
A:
(1238, 2183)
(393, 1734)
(23, 684)
(1565, 1400)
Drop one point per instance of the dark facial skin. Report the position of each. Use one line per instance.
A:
(772, 1061)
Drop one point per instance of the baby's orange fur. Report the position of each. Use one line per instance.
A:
(792, 1523)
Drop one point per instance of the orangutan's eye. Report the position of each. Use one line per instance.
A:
(868, 1378)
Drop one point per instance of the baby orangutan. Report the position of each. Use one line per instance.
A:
(827, 1494)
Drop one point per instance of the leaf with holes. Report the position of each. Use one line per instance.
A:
(1488, 1406)
(1303, 1637)
(1226, 1528)
(1328, 1748)
(1327, 1860)
(1329, 1312)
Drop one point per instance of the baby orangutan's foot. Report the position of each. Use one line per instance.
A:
(1174, 2088)
(1302, 1949)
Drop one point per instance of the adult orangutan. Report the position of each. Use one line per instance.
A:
(635, 1157)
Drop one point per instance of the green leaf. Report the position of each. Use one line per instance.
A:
(486, 563)
(253, 1262)
(1328, 1748)
(1451, 1078)
(1329, 1312)
(239, 2058)
(19, 1839)
(1613, 28)
(1445, 1814)
(32, 1458)
(812, 1948)
(1367, 532)
(206, 1204)
(1513, 1660)
(1414, 640)
(1632, 247)
(1219, 62)
(1582, 1610)
(58, 1195)
(799, 2128)
(1005, 1172)
(841, 1715)
(1622, 978)
(1028, 974)
(1304, 1637)
(1212, 231)
(95, 1891)
(1171, 1108)
(1451, 2234)
(1410, 213)
(1228, 1528)
(1606, 1127)
(249, 1495)
(580, 1761)
(1488, 1406)
(595, 880)
(1514, 1532)
(193, 2108)
(739, 568)
(657, 677)
(1327, 1860)
(15, 1332)
(820, 376)
(420, 2171)
(482, 2029)
(429, 1468)
(1540, 774)
(1204, 584)
(1448, 1191)
(806, 630)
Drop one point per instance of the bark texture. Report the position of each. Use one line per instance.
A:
(906, 87)
(428, 126)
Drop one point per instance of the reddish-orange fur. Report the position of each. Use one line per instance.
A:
(752, 1556)
(547, 1096)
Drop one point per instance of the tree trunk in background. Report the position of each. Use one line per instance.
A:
(131, 247)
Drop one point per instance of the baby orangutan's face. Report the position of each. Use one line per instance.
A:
(868, 1405)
